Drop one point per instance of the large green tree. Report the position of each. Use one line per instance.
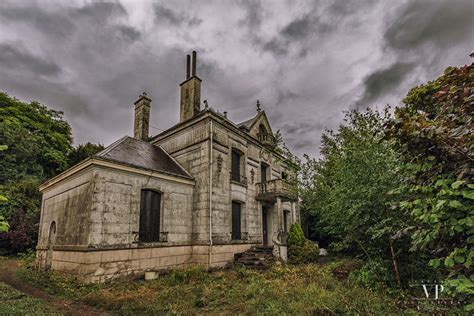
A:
(348, 189)
(38, 142)
(83, 151)
(434, 130)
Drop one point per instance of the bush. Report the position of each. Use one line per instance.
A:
(306, 253)
(296, 235)
(374, 274)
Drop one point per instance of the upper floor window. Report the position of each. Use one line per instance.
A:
(284, 175)
(262, 129)
(236, 166)
(150, 216)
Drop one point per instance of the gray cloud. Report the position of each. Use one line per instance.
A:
(47, 22)
(305, 61)
(382, 81)
(166, 14)
(439, 22)
(19, 59)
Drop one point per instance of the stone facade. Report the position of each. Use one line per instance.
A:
(90, 219)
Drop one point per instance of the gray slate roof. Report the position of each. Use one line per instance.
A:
(141, 154)
(248, 123)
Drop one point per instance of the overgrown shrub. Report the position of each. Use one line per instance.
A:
(306, 253)
(296, 235)
(374, 274)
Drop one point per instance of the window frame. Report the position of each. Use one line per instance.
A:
(153, 235)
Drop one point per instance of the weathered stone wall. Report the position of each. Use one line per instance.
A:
(69, 205)
(115, 212)
(96, 265)
(190, 147)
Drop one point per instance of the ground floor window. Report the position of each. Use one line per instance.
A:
(150, 213)
(236, 220)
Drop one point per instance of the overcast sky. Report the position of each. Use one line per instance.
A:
(306, 61)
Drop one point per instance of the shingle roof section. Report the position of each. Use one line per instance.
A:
(141, 154)
(248, 123)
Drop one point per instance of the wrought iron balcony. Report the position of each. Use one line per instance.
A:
(272, 189)
(267, 139)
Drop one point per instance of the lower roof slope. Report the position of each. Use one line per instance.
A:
(142, 154)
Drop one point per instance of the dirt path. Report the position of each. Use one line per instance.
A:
(8, 269)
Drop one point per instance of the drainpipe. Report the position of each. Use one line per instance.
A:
(210, 193)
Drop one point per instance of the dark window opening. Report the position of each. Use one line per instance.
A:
(261, 129)
(263, 172)
(236, 220)
(284, 175)
(150, 209)
(235, 168)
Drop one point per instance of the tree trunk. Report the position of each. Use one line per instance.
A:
(395, 265)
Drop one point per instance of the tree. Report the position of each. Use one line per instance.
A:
(434, 131)
(348, 189)
(38, 142)
(82, 152)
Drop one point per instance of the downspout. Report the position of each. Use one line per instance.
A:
(210, 193)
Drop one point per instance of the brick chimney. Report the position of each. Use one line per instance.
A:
(142, 117)
(190, 103)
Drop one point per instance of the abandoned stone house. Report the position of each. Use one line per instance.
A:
(197, 193)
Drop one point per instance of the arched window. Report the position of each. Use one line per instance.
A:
(150, 213)
(261, 129)
(52, 234)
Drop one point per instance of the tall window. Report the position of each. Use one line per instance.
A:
(235, 168)
(150, 207)
(236, 220)
(263, 172)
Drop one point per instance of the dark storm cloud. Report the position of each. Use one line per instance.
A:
(48, 22)
(165, 14)
(128, 32)
(439, 22)
(100, 10)
(382, 81)
(306, 61)
(295, 32)
(13, 57)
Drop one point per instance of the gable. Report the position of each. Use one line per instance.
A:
(260, 123)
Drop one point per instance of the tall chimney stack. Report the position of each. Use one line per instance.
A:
(142, 117)
(190, 103)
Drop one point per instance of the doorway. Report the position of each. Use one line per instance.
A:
(265, 225)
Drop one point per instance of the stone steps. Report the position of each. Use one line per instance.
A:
(259, 258)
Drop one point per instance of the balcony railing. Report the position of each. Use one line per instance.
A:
(237, 177)
(267, 139)
(272, 189)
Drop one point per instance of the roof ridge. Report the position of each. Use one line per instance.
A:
(107, 149)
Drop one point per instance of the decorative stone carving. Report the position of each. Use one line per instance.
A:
(219, 163)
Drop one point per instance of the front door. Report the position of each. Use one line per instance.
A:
(265, 225)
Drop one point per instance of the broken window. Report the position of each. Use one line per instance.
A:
(150, 213)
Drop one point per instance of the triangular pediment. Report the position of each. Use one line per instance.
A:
(260, 124)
